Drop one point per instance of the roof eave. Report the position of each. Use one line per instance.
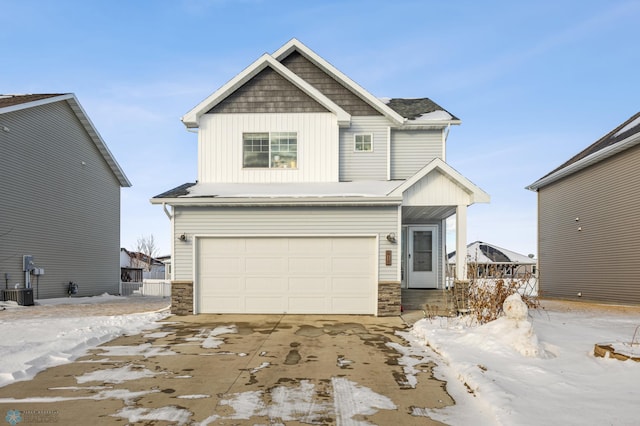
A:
(583, 163)
(279, 201)
(434, 124)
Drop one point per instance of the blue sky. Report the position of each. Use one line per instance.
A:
(533, 82)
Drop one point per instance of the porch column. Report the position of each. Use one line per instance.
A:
(461, 242)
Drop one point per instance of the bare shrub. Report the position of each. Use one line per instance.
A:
(489, 288)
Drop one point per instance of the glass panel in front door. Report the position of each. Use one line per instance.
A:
(422, 251)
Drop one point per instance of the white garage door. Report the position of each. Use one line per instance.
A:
(302, 275)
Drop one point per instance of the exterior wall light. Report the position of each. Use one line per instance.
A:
(183, 238)
(391, 237)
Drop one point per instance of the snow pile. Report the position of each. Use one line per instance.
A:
(502, 372)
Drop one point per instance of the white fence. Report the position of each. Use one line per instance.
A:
(158, 288)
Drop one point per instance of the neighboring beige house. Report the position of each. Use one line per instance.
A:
(312, 195)
(60, 198)
(588, 221)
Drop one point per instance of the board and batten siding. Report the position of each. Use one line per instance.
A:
(364, 165)
(60, 204)
(284, 221)
(589, 233)
(411, 150)
(220, 147)
(435, 189)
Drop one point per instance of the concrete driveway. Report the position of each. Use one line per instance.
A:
(240, 369)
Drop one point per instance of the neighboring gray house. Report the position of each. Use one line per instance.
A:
(60, 198)
(312, 195)
(588, 221)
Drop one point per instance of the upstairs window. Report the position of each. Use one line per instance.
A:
(363, 143)
(275, 150)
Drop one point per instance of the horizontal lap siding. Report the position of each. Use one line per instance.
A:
(220, 147)
(364, 165)
(411, 150)
(602, 261)
(286, 222)
(64, 213)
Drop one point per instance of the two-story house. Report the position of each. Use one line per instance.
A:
(60, 191)
(312, 195)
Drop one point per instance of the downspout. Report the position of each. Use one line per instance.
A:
(166, 211)
(445, 135)
(388, 152)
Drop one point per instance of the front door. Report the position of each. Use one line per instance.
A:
(421, 257)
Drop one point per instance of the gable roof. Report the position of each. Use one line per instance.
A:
(619, 139)
(296, 45)
(410, 112)
(191, 118)
(10, 103)
(477, 195)
(485, 253)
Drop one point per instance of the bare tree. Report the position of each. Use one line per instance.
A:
(146, 251)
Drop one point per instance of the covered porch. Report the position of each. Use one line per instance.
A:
(429, 198)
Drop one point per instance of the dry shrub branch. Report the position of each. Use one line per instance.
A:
(489, 287)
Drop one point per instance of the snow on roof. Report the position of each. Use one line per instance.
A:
(270, 190)
(480, 252)
(434, 116)
(628, 126)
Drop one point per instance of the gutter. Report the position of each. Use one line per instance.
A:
(279, 201)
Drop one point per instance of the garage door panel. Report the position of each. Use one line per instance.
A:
(265, 265)
(221, 304)
(349, 285)
(309, 305)
(350, 265)
(350, 245)
(309, 265)
(265, 304)
(230, 285)
(313, 245)
(265, 284)
(287, 275)
(266, 245)
(310, 285)
(230, 265)
(222, 246)
(353, 305)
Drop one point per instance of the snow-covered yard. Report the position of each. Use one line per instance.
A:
(540, 370)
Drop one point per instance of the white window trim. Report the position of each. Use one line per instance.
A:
(355, 135)
(270, 133)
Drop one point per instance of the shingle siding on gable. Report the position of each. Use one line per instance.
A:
(601, 261)
(411, 150)
(63, 212)
(268, 92)
(364, 165)
(331, 88)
